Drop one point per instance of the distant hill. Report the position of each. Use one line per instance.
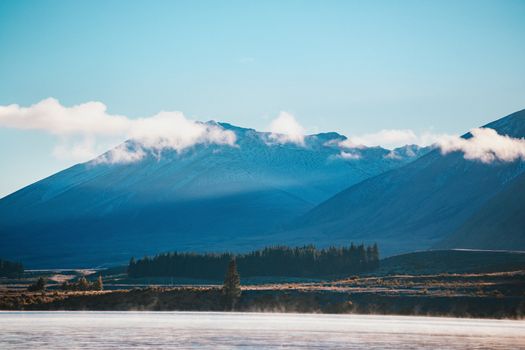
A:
(453, 261)
(436, 201)
(206, 198)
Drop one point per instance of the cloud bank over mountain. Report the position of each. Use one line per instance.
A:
(87, 130)
(286, 129)
(485, 145)
(391, 138)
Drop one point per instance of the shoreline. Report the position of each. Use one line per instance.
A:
(383, 317)
(496, 295)
(189, 299)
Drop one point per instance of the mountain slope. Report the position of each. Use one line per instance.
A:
(208, 197)
(498, 224)
(415, 206)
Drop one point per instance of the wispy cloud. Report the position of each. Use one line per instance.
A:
(80, 148)
(485, 145)
(83, 129)
(392, 138)
(350, 155)
(122, 154)
(286, 129)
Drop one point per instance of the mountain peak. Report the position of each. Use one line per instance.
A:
(330, 136)
(229, 126)
(512, 125)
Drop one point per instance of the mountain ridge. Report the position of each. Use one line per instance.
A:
(418, 204)
(206, 197)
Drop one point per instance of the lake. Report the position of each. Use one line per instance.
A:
(209, 330)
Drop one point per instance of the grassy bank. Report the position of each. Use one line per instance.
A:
(491, 295)
(303, 301)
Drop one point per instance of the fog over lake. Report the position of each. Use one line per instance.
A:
(181, 330)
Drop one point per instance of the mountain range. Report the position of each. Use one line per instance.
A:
(205, 198)
(436, 201)
(260, 192)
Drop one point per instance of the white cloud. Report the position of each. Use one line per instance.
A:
(393, 155)
(348, 143)
(87, 130)
(173, 131)
(77, 149)
(485, 145)
(49, 115)
(84, 130)
(349, 155)
(286, 129)
(392, 138)
(121, 154)
(385, 138)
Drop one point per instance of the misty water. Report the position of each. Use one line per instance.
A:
(203, 330)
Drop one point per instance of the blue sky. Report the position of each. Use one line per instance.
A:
(353, 67)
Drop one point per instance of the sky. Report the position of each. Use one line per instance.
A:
(367, 69)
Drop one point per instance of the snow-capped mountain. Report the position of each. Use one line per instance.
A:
(207, 197)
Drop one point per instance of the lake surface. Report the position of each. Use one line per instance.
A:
(207, 330)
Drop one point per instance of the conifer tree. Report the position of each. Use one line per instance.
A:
(306, 261)
(83, 283)
(132, 266)
(11, 269)
(231, 290)
(98, 285)
(38, 286)
(375, 254)
(65, 286)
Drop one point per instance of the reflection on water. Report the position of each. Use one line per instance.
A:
(181, 330)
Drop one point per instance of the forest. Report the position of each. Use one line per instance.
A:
(276, 261)
(10, 269)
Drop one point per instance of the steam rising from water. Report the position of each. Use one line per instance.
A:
(102, 330)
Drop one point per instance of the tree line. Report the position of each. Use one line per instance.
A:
(306, 261)
(10, 269)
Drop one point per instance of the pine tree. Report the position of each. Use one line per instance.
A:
(83, 283)
(38, 286)
(231, 290)
(98, 285)
(375, 254)
(66, 286)
(132, 267)
(306, 261)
